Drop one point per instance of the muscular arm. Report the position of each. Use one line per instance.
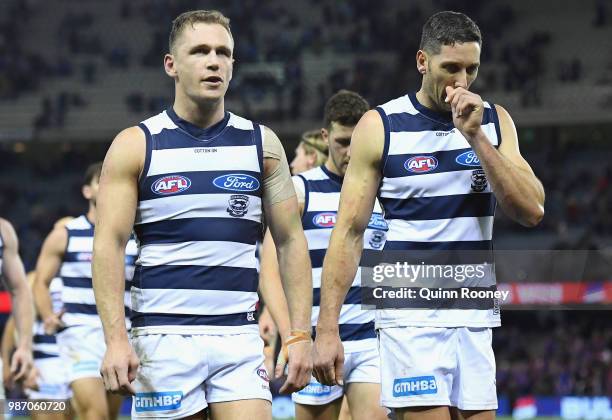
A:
(47, 267)
(356, 203)
(116, 209)
(14, 273)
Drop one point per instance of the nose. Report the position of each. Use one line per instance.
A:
(461, 79)
(213, 61)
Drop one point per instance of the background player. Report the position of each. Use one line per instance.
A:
(68, 251)
(318, 192)
(311, 152)
(466, 156)
(194, 181)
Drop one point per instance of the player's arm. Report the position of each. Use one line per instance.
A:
(519, 192)
(270, 283)
(47, 267)
(346, 244)
(116, 209)
(7, 346)
(14, 274)
(282, 214)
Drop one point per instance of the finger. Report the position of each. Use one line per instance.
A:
(15, 363)
(449, 94)
(289, 384)
(279, 369)
(339, 371)
(24, 367)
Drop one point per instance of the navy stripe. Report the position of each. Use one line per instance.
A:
(446, 163)
(439, 246)
(306, 200)
(316, 257)
(44, 339)
(405, 122)
(140, 319)
(228, 137)
(148, 149)
(81, 308)
(495, 118)
(259, 144)
(75, 257)
(440, 207)
(81, 282)
(80, 233)
(196, 278)
(36, 354)
(353, 297)
(385, 153)
(201, 183)
(354, 332)
(324, 186)
(174, 231)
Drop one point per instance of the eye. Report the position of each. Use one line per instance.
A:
(451, 68)
(472, 69)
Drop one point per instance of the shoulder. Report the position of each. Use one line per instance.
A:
(7, 232)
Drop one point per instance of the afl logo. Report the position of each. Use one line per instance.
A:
(420, 164)
(236, 182)
(171, 184)
(324, 220)
(468, 158)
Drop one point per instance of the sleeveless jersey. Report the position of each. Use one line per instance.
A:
(197, 223)
(436, 199)
(44, 346)
(322, 200)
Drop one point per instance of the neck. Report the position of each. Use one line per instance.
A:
(91, 213)
(331, 167)
(425, 100)
(202, 115)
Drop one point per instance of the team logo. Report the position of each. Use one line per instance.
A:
(157, 401)
(171, 184)
(420, 164)
(263, 374)
(236, 182)
(238, 205)
(83, 256)
(479, 180)
(324, 220)
(377, 239)
(377, 221)
(250, 316)
(468, 158)
(418, 385)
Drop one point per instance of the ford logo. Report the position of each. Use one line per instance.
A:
(468, 158)
(236, 182)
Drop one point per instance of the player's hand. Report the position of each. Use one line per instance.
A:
(467, 108)
(119, 368)
(31, 381)
(297, 352)
(7, 378)
(21, 363)
(52, 323)
(267, 327)
(328, 358)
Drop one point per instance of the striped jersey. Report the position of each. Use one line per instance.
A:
(1, 252)
(44, 346)
(75, 271)
(437, 200)
(197, 223)
(322, 200)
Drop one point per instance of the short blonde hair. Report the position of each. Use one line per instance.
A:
(196, 16)
(313, 144)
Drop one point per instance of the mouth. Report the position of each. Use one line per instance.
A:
(213, 80)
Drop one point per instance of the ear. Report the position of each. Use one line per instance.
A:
(421, 61)
(311, 159)
(169, 65)
(86, 191)
(325, 135)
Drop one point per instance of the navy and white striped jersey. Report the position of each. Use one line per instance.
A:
(436, 197)
(198, 221)
(322, 200)
(44, 346)
(75, 271)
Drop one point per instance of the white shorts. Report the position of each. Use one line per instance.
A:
(363, 366)
(179, 375)
(427, 366)
(52, 380)
(82, 349)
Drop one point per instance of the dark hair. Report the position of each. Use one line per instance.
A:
(345, 107)
(448, 28)
(93, 171)
(193, 17)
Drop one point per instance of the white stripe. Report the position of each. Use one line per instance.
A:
(80, 244)
(315, 174)
(399, 105)
(317, 238)
(441, 230)
(429, 185)
(80, 223)
(414, 142)
(46, 348)
(132, 247)
(158, 122)
(234, 158)
(76, 269)
(193, 302)
(203, 253)
(239, 122)
(192, 206)
(78, 295)
(81, 319)
(319, 201)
